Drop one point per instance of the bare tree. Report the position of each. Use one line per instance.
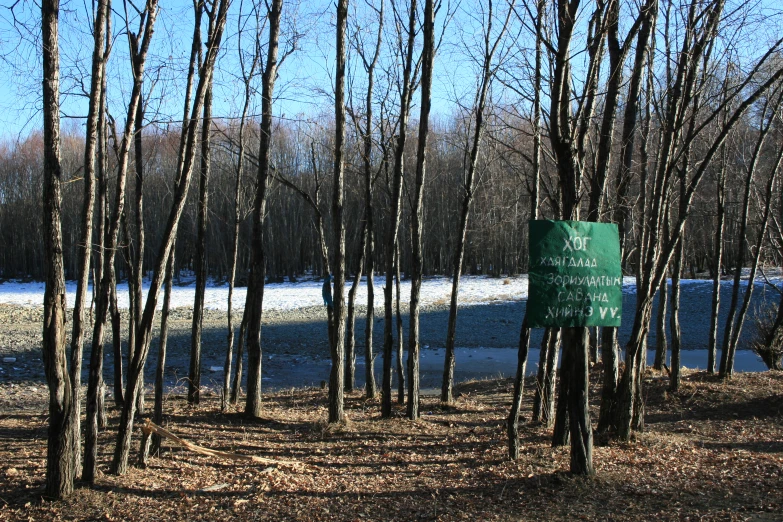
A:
(369, 62)
(406, 51)
(247, 77)
(255, 287)
(216, 13)
(59, 454)
(194, 376)
(428, 60)
(491, 43)
(90, 148)
(122, 149)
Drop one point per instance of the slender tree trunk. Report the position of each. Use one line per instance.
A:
(428, 59)
(367, 138)
(230, 394)
(469, 186)
(217, 20)
(400, 337)
(560, 434)
(718, 264)
(90, 146)
(394, 221)
(611, 373)
(194, 375)
(236, 387)
(578, 407)
(543, 355)
(512, 424)
(661, 343)
(137, 261)
(255, 290)
(116, 340)
(350, 348)
(674, 381)
(336, 380)
(548, 391)
(157, 416)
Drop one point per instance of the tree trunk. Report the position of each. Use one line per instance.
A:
(400, 337)
(255, 290)
(60, 446)
(560, 434)
(428, 59)
(394, 222)
(350, 349)
(609, 360)
(236, 387)
(512, 424)
(194, 375)
(90, 146)
(578, 402)
(661, 343)
(718, 264)
(543, 356)
(217, 20)
(336, 380)
(157, 416)
(674, 381)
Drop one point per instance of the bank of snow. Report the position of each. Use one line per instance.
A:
(289, 296)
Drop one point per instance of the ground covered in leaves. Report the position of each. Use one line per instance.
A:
(712, 451)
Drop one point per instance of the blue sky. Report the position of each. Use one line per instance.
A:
(302, 90)
(304, 86)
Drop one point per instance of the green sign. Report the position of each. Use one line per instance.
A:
(575, 274)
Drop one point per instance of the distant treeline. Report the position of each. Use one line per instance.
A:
(496, 239)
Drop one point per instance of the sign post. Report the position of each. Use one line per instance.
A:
(575, 274)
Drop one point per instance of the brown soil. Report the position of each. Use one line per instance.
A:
(713, 451)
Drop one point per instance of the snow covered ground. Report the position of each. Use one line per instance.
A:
(290, 296)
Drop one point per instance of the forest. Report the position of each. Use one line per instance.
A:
(256, 142)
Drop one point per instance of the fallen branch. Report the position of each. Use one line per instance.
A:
(150, 427)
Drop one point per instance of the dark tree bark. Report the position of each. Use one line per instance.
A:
(157, 415)
(90, 148)
(394, 221)
(236, 387)
(717, 263)
(217, 19)
(512, 423)
(350, 347)
(60, 468)
(369, 208)
(255, 290)
(94, 387)
(428, 60)
(400, 337)
(230, 394)
(200, 256)
(136, 263)
(661, 342)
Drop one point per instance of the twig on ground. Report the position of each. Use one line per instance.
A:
(150, 427)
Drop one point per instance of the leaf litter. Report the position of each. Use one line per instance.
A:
(712, 451)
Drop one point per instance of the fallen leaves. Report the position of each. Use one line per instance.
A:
(717, 455)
